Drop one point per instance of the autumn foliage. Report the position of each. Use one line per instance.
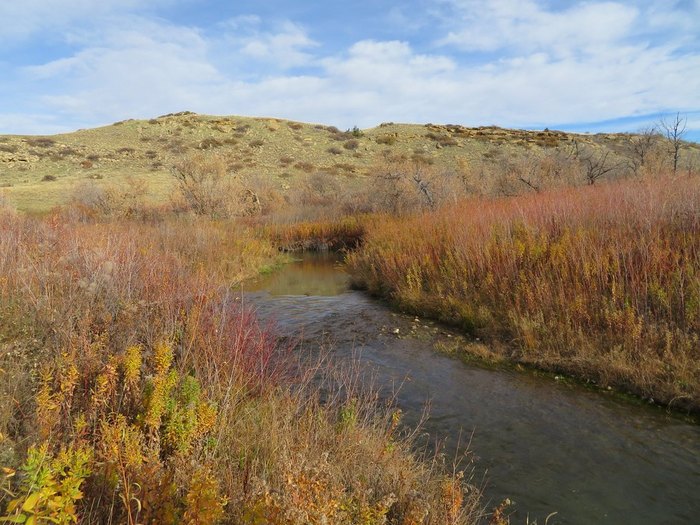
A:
(601, 282)
(136, 388)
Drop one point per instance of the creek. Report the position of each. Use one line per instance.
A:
(547, 445)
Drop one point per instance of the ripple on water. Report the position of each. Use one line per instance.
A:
(547, 445)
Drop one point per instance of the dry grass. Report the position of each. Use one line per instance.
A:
(136, 389)
(345, 233)
(147, 151)
(602, 283)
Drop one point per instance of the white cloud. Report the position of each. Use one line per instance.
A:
(31, 16)
(526, 27)
(241, 22)
(677, 19)
(371, 64)
(284, 48)
(585, 63)
(32, 123)
(132, 72)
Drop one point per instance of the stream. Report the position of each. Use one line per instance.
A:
(547, 445)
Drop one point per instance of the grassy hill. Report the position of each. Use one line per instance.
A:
(38, 173)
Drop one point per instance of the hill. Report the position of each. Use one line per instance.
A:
(40, 172)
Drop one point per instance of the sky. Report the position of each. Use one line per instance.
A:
(586, 66)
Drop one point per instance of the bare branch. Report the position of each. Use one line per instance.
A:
(597, 165)
(642, 144)
(675, 131)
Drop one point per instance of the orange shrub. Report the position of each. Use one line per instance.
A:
(603, 283)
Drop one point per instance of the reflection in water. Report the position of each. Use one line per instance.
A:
(546, 445)
(318, 275)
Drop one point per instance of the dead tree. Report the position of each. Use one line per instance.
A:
(642, 145)
(527, 171)
(596, 166)
(675, 131)
(423, 185)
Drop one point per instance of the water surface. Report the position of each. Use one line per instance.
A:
(547, 445)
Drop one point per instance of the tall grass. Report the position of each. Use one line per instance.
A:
(602, 283)
(344, 233)
(136, 389)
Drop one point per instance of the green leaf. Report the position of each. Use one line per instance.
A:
(13, 505)
(30, 502)
(20, 518)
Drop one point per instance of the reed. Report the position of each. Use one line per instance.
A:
(602, 283)
(344, 233)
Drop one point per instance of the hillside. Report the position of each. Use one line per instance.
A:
(38, 173)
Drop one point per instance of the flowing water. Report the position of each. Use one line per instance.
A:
(548, 445)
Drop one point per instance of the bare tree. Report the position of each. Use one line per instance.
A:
(527, 170)
(642, 145)
(675, 131)
(403, 186)
(596, 164)
(423, 184)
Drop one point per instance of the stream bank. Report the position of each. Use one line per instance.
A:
(550, 446)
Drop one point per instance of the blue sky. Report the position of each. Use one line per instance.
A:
(576, 65)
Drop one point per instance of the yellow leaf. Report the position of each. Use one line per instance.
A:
(30, 502)
(30, 521)
(20, 518)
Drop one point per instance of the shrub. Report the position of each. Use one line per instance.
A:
(160, 399)
(305, 166)
(598, 282)
(355, 132)
(41, 142)
(441, 139)
(51, 486)
(91, 201)
(66, 152)
(388, 140)
(209, 143)
(205, 185)
(351, 144)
